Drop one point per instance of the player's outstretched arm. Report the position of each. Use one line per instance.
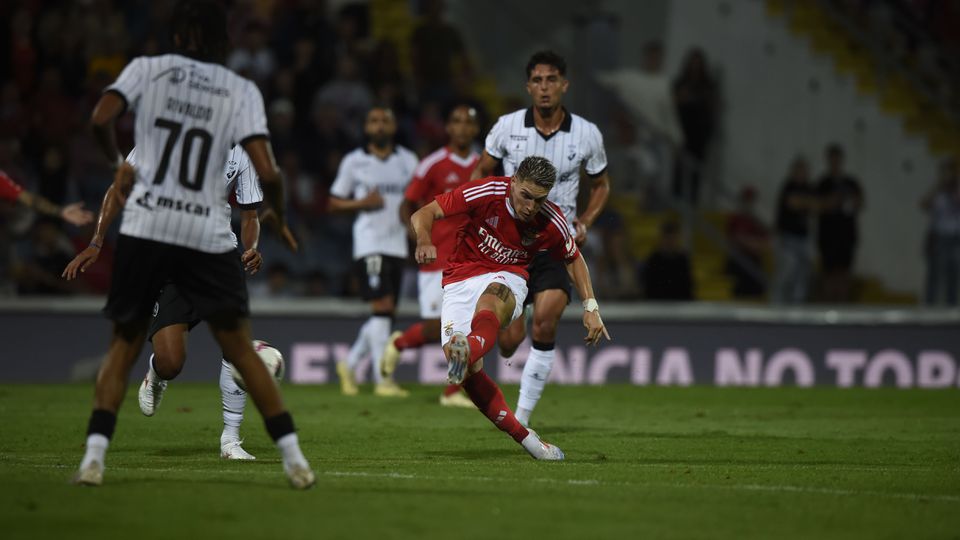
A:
(113, 201)
(74, 213)
(580, 275)
(485, 166)
(422, 223)
(599, 194)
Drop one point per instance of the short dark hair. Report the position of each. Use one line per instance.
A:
(451, 108)
(548, 58)
(202, 27)
(538, 170)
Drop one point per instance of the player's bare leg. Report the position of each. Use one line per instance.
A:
(548, 306)
(125, 345)
(166, 362)
(513, 335)
(233, 335)
(495, 304)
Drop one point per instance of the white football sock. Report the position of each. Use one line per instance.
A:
(535, 374)
(289, 446)
(360, 347)
(96, 449)
(234, 399)
(378, 333)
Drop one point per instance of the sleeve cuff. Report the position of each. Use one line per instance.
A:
(598, 173)
(119, 94)
(250, 206)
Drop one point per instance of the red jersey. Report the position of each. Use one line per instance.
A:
(9, 190)
(441, 172)
(493, 239)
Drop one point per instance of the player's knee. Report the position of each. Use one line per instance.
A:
(544, 329)
(168, 364)
(508, 349)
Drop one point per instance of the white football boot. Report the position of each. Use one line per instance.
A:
(91, 475)
(300, 476)
(458, 399)
(231, 449)
(459, 358)
(150, 393)
(541, 450)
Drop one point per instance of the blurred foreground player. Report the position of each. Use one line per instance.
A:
(189, 112)
(440, 172)
(174, 317)
(484, 284)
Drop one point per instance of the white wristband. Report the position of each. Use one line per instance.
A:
(590, 304)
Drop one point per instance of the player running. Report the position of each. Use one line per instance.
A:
(571, 143)
(190, 110)
(440, 172)
(371, 181)
(484, 284)
(173, 316)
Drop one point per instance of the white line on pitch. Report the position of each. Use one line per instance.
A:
(560, 481)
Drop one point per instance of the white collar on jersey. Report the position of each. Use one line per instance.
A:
(461, 161)
(513, 214)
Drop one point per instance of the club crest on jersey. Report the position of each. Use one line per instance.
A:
(448, 329)
(493, 221)
(529, 237)
(452, 178)
(572, 149)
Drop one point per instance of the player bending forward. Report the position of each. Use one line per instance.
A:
(484, 285)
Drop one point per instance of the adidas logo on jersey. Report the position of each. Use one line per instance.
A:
(481, 340)
(493, 221)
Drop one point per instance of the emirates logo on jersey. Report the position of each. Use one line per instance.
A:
(497, 252)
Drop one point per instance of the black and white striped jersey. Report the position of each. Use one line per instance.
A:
(240, 178)
(577, 142)
(189, 114)
(377, 232)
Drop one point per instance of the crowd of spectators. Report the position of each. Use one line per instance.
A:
(320, 71)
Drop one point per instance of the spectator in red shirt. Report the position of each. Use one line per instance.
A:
(749, 242)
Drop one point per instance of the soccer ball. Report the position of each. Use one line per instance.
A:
(272, 359)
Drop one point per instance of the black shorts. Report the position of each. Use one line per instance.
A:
(547, 273)
(380, 276)
(172, 308)
(212, 283)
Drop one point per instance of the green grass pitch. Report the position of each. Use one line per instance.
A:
(641, 463)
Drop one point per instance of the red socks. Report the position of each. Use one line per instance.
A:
(412, 337)
(451, 389)
(486, 395)
(483, 334)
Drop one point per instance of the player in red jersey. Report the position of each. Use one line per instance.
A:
(73, 214)
(484, 284)
(440, 172)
